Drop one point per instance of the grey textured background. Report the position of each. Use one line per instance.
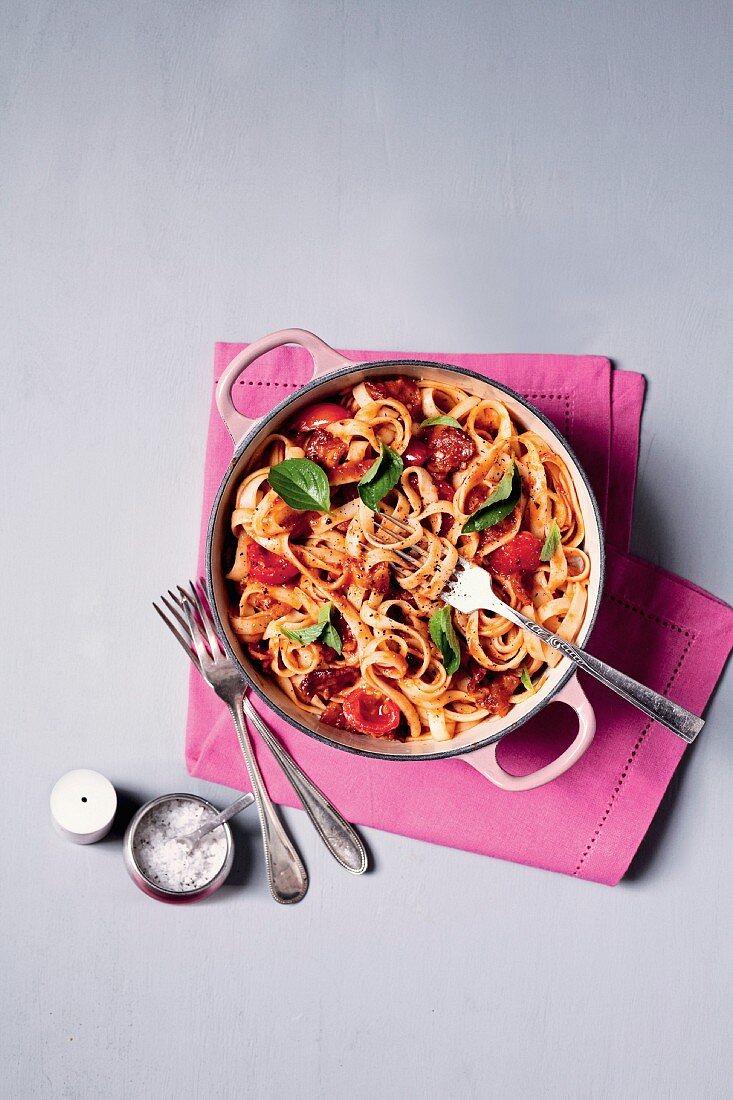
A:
(461, 177)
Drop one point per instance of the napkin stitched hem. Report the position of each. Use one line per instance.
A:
(630, 768)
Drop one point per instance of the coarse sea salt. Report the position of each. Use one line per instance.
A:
(168, 863)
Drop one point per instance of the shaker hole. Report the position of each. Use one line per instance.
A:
(83, 798)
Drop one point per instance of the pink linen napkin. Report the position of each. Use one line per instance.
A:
(653, 625)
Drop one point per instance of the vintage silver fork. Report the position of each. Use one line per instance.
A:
(285, 872)
(339, 837)
(470, 589)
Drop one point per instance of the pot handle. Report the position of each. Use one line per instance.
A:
(485, 762)
(325, 359)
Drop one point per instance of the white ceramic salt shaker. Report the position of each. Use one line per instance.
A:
(83, 806)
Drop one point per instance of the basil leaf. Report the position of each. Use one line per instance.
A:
(551, 542)
(302, 484)
(382, 476)
(305, 635)
(323, 630)
(450, 421)
(443, 634)
(502, 501)
(527, 683)
(330, 635)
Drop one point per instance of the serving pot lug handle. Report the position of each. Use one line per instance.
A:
(325, 359)
(485, 762)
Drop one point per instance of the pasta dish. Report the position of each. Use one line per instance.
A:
(354, 635)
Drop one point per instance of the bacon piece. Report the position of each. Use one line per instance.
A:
(327, 681)
(334, 715)
(325, 653)
(325, 448)
(450, 449)
(402, 389)
(379, 577)
(492, 690)
(263, 601)
(445, 489)
(300, 525)
(259, 651)
(347, 493)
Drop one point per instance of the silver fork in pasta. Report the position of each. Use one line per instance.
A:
(469, 589)
(190, 621)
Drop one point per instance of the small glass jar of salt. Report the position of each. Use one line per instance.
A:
(162, 866)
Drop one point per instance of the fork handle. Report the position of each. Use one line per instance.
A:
(341, 840)
(680, 721)
(285, 872)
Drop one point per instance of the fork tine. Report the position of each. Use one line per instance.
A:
(204, 600)
(406, 527)
(180, 602)
(401, 570)
(175, 612)
(398, 522)
(208, 622)
(178, 636)
(206, 605)
(415, 553)
(198, 641)
(414, 562)
(184, 598)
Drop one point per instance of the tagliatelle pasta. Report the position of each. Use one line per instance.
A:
(324, 605)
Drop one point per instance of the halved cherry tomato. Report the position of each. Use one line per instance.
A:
(371, 713)
(269, 568)
(520, 555)
(317, 416)
(416, 453)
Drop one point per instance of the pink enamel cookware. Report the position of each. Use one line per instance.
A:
(332, 372)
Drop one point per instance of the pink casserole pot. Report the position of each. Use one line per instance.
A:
(332, 372)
